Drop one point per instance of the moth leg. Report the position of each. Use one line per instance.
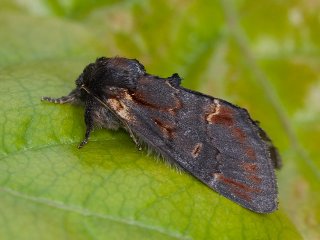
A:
(88, 118)
(71, 98)
(134, 138)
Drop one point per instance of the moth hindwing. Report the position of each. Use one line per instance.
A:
(215, 141)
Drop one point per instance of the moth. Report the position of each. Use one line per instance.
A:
(215, 141)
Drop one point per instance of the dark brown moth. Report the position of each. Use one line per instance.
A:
(214, 140)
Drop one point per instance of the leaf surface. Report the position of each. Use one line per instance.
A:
(50, 190)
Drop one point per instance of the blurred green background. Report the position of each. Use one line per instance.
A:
(261, 55)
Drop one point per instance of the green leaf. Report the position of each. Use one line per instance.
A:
(49, 189)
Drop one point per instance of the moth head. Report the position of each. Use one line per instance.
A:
(111, 72)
